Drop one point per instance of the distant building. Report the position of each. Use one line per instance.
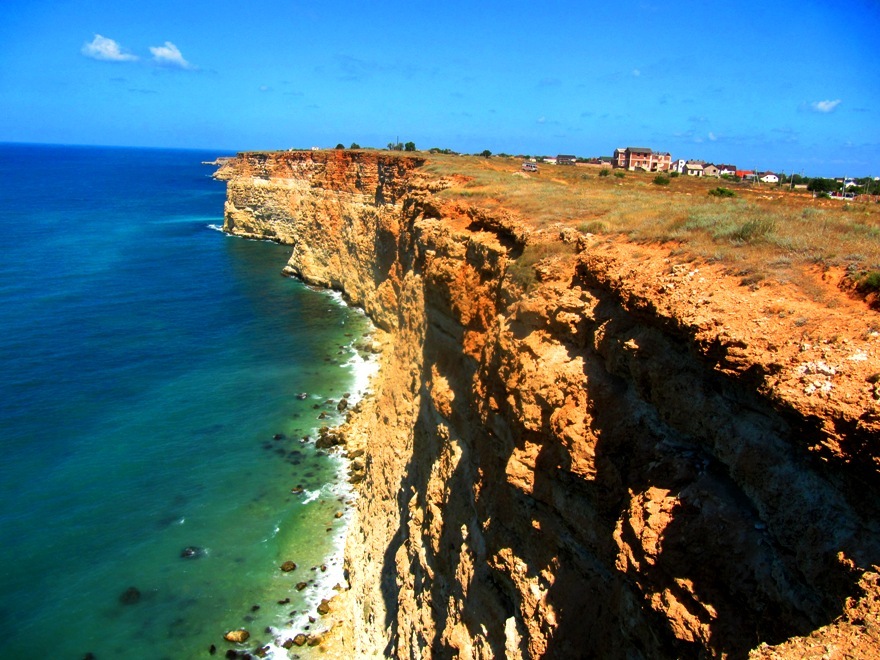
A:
(549, 159)
(710, 170)
(769, 177)
(726, 170)
(565, 160)
(641, 158)
(678, 166)
(745, 175)
(693, 169)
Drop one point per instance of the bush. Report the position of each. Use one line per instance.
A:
(340, 146)
(594, 227)
(355, 145)
(870, 282)
(753, 230)
(674, 174)
(722, 192)
(604, 172)
(661, 180)
(485, 153)
(620, 175)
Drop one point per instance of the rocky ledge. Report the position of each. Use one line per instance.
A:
(619, 455)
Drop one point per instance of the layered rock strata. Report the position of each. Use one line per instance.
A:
(599, 454)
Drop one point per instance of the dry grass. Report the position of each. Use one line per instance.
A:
(762, 232)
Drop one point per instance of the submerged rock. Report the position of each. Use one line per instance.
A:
(192, 552)
(130, 596)
(302, 396)
(301, 585)
(287, 567)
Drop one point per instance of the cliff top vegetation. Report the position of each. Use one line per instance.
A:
(757, 232)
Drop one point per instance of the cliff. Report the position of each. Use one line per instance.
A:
(580, 447)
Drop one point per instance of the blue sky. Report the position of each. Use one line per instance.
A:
(788, 86)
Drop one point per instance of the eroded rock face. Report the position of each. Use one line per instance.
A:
(604, 465)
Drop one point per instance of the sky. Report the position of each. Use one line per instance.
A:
(786, 86)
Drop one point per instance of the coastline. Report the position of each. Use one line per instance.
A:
(309, 631)
(574, 397)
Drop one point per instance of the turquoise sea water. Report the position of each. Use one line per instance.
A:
(147, 363)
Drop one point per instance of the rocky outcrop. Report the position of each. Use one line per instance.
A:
(617, 456)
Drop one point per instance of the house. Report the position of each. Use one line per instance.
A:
(642, 158)
(726, 170)
(745, 175)
(678, 166)
(562, 159)
(710, 170)
(692, 168)
(551, 160)
(769, 177)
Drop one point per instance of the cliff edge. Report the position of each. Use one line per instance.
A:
(577, 446)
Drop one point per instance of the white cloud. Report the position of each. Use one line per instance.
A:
(825, 106)
(102, 48)
(636, 73)
(712, 137)
(169, 55)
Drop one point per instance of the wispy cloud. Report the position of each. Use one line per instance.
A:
(825, 106)
(170, 55)
(108, 50)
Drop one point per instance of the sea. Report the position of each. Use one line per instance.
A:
(161, 386)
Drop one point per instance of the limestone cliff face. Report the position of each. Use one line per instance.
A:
(617, 460)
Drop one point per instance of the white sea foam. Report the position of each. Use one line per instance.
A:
(216, 228)
(311, 495)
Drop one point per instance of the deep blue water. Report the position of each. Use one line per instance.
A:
(146, 362)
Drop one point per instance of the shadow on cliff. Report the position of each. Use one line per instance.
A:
(697, 533)
(706, 556)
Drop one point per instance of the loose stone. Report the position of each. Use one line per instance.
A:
(301, 585)
(287, 567)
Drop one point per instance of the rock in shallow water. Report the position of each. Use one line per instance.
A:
(130, 596)
(288, 566)
(192, 552)
(237, 636)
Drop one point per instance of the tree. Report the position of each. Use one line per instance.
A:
(485, 153)
(355, 145)
(340, 146)
(820, 185)
(395, 146)
(409, 146)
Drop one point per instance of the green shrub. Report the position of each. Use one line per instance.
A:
(870, 282)
(661, 180)
(674, 174)
(722, 192)
(594, 227)
(620, 175)
(753, 230)
(604, 172)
